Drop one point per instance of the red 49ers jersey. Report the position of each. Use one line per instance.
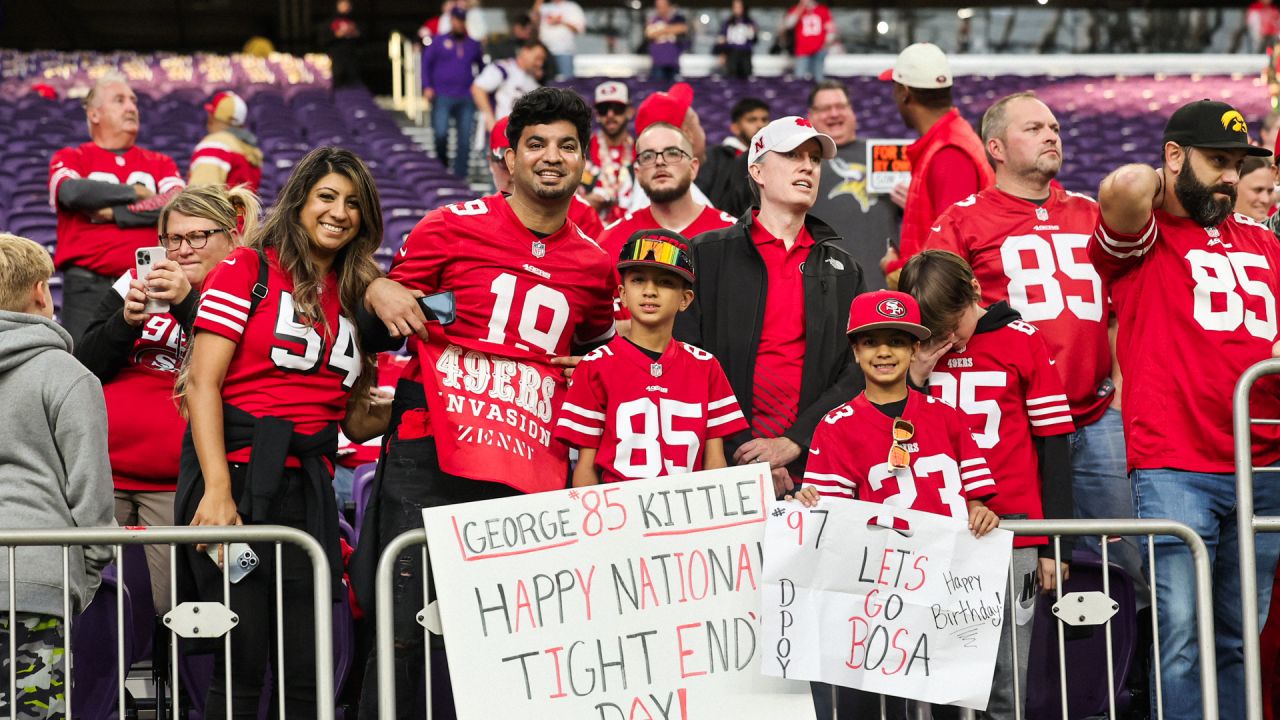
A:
(1196, 307)
(517, 295)
(1005, 386)
(1035, 257)
(144, 429)
(585, 217)
(849, 458)
(281, 367)
(106, 248)
(617, 233)
(648, 418)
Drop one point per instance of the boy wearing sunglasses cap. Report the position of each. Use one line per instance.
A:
(646, 405)
(995, 368)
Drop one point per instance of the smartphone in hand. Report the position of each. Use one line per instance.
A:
(145, 259)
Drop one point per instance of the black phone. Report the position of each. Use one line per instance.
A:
(439, 307)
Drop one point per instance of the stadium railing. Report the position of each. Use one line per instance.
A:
(1250, 524)
(182, 620)
(1055, 529)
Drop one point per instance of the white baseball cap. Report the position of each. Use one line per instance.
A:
(922, 65)
(786, 134)
(612, 92)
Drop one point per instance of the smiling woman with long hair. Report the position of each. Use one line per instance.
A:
(273, 365)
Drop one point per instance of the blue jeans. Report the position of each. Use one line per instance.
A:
(811, 66)
(462, 110)
(1101, 488)
(1207, 503)
(664, 73)
(564, 66)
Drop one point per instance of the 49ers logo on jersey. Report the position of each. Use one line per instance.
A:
(892, 308)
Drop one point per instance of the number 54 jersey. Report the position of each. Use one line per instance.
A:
(648, 418)
(281, 367)
(1035, 257)
(849, 458)
(1196, 307)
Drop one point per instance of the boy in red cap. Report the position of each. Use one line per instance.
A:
(895, 446)
(933, 463)
(646, 405)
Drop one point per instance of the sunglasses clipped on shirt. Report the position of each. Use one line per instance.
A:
(899, 456)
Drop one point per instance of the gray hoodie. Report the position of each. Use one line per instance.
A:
(54, 469)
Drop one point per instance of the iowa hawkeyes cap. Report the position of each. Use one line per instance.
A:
(1211, 124)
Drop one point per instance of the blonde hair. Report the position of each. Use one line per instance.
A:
(235, 209)
(23, 263)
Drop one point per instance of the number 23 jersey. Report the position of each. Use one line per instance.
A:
(1196, 307)
(281, 367)
(648, 418)
(849, 458)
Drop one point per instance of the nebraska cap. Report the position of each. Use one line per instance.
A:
(498, 142)
(886, 309)
(228, 107)
(658, 248)
(613, 92)
(786, 134)
(922, 65)
(668, 107)
(1211, 124)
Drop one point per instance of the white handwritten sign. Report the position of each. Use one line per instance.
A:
(913, 612)
(629, 601)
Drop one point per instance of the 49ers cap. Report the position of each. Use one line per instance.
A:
(1211, 124)
(886, 309)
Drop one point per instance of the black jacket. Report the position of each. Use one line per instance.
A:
(727, 315)
(723, 178)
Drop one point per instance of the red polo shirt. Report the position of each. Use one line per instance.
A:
(780, 358)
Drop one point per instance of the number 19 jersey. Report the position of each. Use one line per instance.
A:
(648, 418)
(848, 458)
(1196, 307)
(1035, 257)
(517, 295)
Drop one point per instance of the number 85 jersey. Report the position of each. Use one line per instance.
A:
(1035, 257)
(281, 367)
(648, 418)
(1196, 307)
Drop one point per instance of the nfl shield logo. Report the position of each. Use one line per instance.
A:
(655, 369)
(1213, 232)
(539, 248)
(1042, 214)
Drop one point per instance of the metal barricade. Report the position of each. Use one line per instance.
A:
(66, 538)
(1249, 524)
(1053, 528)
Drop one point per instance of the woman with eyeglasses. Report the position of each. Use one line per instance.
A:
(136, 354)
(272, 371)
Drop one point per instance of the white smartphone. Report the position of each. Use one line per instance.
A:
(146, 258)
(243, 559)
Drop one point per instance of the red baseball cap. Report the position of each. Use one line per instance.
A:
(498, 143)
(668, 107)
(886, 309)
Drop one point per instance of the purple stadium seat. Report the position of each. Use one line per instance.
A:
(95, 691)
(362, 492)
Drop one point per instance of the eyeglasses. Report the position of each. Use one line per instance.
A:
(671, 155)
(196, 239)
(899, 456)
(611, 109)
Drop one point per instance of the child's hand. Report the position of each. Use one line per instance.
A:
(981, 519)
(1049, 576)
(807, 496)
(923, 362)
